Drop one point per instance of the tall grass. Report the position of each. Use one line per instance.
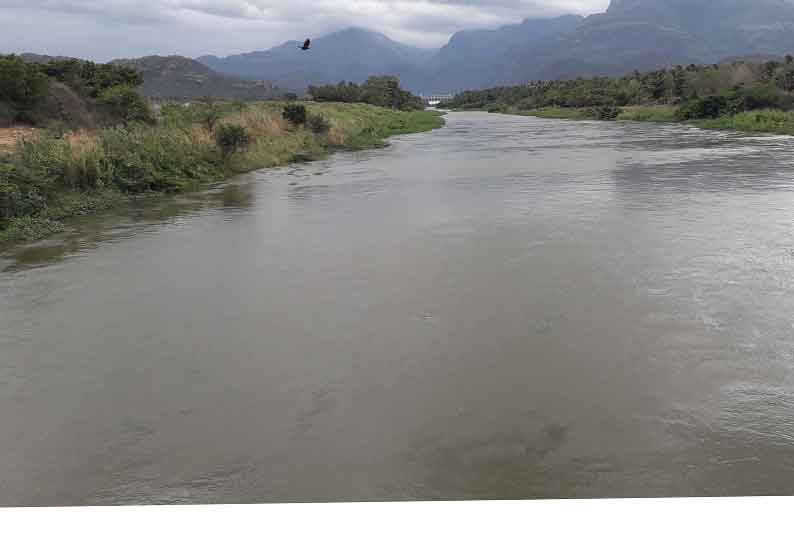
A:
(50, 177)
(648, 113)
(771, 121)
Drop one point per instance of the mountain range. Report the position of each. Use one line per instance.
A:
(184, 78)
(351, 55)
(631, 34)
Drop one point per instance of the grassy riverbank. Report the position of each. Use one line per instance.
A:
(50, 177)
(771, 121)
(634, 113)
(738, 95)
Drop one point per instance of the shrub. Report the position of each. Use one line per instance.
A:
(141, 159)
(295, 114)
(318, 124)
(709, 107)
(126, 104)
(231, 138)
(20, 193)
(605, 112)
(208, 112)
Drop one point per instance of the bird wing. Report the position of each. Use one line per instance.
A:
(307, 43)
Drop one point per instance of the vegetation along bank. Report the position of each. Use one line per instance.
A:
(84, 139)
(740, 95)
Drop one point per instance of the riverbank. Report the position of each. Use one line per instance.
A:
(47, 178)
(769, 121)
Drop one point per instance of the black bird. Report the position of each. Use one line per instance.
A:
(306, 45)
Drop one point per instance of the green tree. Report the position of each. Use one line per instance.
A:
(22, 86)
(231, 138)
(679, 82)
(126, 104)
(208, 112)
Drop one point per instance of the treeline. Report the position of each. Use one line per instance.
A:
(383, 91)
(76, 93)
(697, 91)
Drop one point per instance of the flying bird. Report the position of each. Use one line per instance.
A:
(306, 45)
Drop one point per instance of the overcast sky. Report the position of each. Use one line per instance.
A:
(106, 29)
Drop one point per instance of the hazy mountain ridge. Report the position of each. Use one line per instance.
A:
(184, 78)
(477, 58)
(352, 55)
(631, 34)
(645, 34)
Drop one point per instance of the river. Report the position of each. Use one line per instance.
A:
(507, 307)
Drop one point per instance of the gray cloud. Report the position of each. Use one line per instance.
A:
(105, 29)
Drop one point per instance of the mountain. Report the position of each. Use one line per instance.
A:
(647, 34)
(631, 34)
(480, 58)
(351, 55)
(34, 58)
(184, 78)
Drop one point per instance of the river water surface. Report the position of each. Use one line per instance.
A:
(507, 307)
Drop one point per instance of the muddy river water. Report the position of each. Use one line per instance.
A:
(507, 307)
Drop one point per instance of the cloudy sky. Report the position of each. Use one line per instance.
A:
(106, 29)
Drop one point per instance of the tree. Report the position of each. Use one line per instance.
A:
(789, 59)
(785, 79)
(208, 112)
(126, 104)
(22, 86)
(231, 138)
(655, 84)
(679, 82)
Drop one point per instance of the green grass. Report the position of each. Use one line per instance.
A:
(30, 228)
(634, 113)
(567, 113)
(769, 121)
(49, 179)
(648, 114)
(766, 120)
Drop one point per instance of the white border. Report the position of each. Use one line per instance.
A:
(636, 520)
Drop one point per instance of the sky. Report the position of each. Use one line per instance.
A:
(102, 30)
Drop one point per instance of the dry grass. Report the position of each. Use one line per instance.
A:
(10, 136)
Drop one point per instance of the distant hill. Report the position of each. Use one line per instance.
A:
(351, 55)
(631, 34)
(43, 59)
(183, 78)
(646, 34)
(481, 58)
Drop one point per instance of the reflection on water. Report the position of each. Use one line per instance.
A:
(505, 308)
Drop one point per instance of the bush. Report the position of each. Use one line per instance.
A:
(295, 114)
(605, 112)
(20, 193)
(231, 138)
(709, 107)
(124, 103)
(318, 124)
